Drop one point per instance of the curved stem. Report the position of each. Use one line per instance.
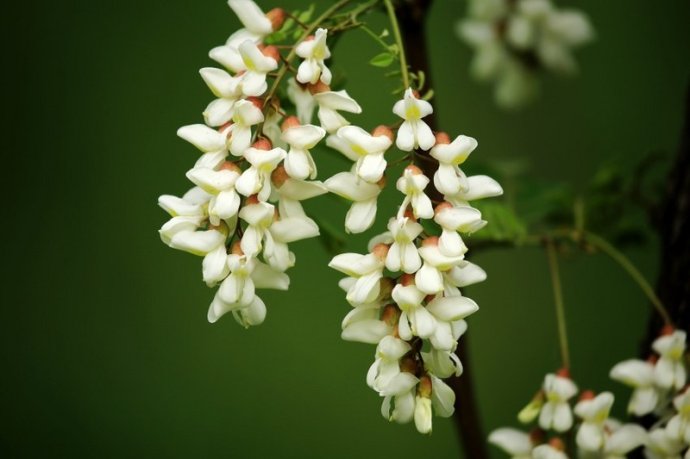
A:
(398, 40)
(558, 302)
(631, 269)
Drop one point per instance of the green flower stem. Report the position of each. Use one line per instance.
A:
(398, 40)
(558, 302)
(625, 263)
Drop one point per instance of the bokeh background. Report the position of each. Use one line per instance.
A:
(106, 351)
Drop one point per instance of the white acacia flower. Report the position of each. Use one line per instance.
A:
(412, 185)
(365, 149)
(257, 178)
(303, 99)
(282, 232)
(314, 51)
(662, 445)
(415, 319)
(556, 413)
(449, 179)
(271, 127)
(299, 163)
(433, 396)
(547, 451)
(225, 201)
(679, 425)
(413, 132)
(363, 195)
(369, 322)
(449, 313)
(399, 408)
(639, 375)
(478, 187)
(429, 279)
(452, 220)
(211, 142)
(366, 269)
(289, 192)
(332, 102)
(620, 440)
(228, 91)
(403, 255)
(514, 442)
(246, 114)
(259, 216)
(464, 274)
(385, 375)
(669, 371)
(594, 413)
(256, 26)
(442, 363)
(237, 293)
(257, 64)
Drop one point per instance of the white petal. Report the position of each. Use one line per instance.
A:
(203, 137)
(361, 216)
(251, 16)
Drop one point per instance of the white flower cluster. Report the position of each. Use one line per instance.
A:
(514, 38)
(255, 167)
(405, 293)
(659, 387)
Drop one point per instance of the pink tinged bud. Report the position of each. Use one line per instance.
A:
(230, 166)
(667, 330)
(587, 395)
(557, 443)
(380, 251)
(431, 241)
(318, 87)
(390, 315)
(290, 122)
(563, 373)
(277, 18)
(441, 207)
(414, 170)
(262, 144)
(381, 183)
(383, 130)
(253, 199)
(424, 388)
(237, 249)
(279, 176)
(442, 138)
(406, 279)
(409, 214)
(258, 102)
(272, 52)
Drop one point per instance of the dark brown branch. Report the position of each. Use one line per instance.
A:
(411, 15)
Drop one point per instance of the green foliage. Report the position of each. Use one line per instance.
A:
(384, 59)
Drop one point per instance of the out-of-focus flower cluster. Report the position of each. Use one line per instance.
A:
(405, 293)
(255, 166)
(513, 39)
(659, 389)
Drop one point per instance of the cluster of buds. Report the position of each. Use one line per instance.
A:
(515, 38)
(659, 389)
(405, 293)
(255, 167)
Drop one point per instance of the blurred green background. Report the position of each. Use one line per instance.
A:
(106, 351)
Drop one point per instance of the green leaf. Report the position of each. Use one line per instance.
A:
(382, 60)
(276, 37)
(306, 15)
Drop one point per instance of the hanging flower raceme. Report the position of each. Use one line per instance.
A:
(512, 40)
(415, 314)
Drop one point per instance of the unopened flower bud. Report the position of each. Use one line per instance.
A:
(318, 87)
(380, 251)
(237, 248)
(409, 214)
(253, 199)
(262, 144)
(431, 241)
(272, 52)
(408, 365)
(381, 183)
(258, 102)
(414, 170)
(290, 122)
(667, 330)
(406, 279)
(279, 176)
(536, 436)
(383, 130)
(230, 166)
(390, 315)
(557, 443)
(442, 138)
(443, 206)
(530, 412)
(587, 395)
(563, 373)
(277, 18)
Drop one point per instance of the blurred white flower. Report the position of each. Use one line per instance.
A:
(639, 375)
(556, 413)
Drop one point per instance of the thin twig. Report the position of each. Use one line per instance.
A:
(558, 302)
